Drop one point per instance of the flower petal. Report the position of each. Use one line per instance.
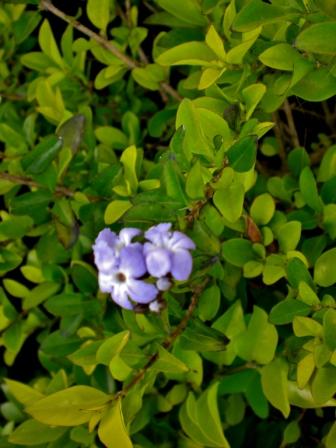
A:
(155, 306)
(120, 297)
(156, 234)
(180, 241)
(105, 281)
(126, 235)
(158, 262)
(104, 255)
(107, 236)
(181, 264)
(140, 291)
(132, 261)
(163, 284)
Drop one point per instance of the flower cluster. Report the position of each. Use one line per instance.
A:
(127, 269)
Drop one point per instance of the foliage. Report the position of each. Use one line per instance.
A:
(128, 114)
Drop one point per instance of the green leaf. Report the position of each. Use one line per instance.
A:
(189, 12)
(238, 251)
(330, 440)
(230, 200)
(112, 346)
(274, 383)
(285, 311)
(318, 38)
(324, 271)
(259, 341)
(215, 42)
(242, 154)
(194, 182)
(149, 77)
(84, 277)
(15, 227)
(189, 53)
(48, 44)
(305, 369)
(208, 416)
(168, 363)
(309, 190)
(39, 294)
(318, 85)
(59, 344)
(280, 56)
(262, 209)
(112, 430)
(209, 303)
(291, 433)
(256, 13)
(289, 235)
(129, 159)
(99, 13)
(252, 96)
(305, 326)
(329, 328)
(115, 210)
(42, 155)
(70, 407)
(31, 433)
(324, 384)
(22, 392)
(71, 132)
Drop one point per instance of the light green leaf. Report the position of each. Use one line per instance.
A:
(305, 326)
(305, 369)
(48, 44)
(112, 346)
(329, 328)
(280, 56)
(215, 42)
(238, 251)
(274, 383)
(242, 154)
(324, 269)
(259, 341)
(99, 13)
(194, 182)
(168, 363)
(285, 311)
(112, 430)
(189, 11)
(317, 85)
(115, 210)
(289, 235)
(262, 209)
(42, 155)
(324, 384)
(252, 96)
(189, 53)
(318, 38)
(31, 433)
(309, 190)
(22, 392)
(70, 407)
(230, 200)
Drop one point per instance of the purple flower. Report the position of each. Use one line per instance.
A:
(121, 264)
(108, 245)
(168, 252)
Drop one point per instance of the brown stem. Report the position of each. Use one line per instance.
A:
(168, 342)
(109, 46)
(279, 137)
(59, 189)
(291, 125)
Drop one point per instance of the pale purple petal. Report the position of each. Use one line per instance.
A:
(163, 284)
(156, 233)
(126, 235)
(120, 297)
(104, 256)
(105, 282)
(158, 262)
(155, 306)
(108, 236)
(141, 292)
(181, 264)
(132, 261)
(180, 241)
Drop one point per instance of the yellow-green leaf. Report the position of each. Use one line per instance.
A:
(112, 431)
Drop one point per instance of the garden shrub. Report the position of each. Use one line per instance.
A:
(215, 116)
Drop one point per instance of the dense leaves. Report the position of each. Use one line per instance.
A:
(216, 116)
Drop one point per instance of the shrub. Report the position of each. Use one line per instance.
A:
(215, 116)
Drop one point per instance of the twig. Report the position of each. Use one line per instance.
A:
(109, 46)
(279, 137)
(59, 189)
(167, 343)
(291, 125)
